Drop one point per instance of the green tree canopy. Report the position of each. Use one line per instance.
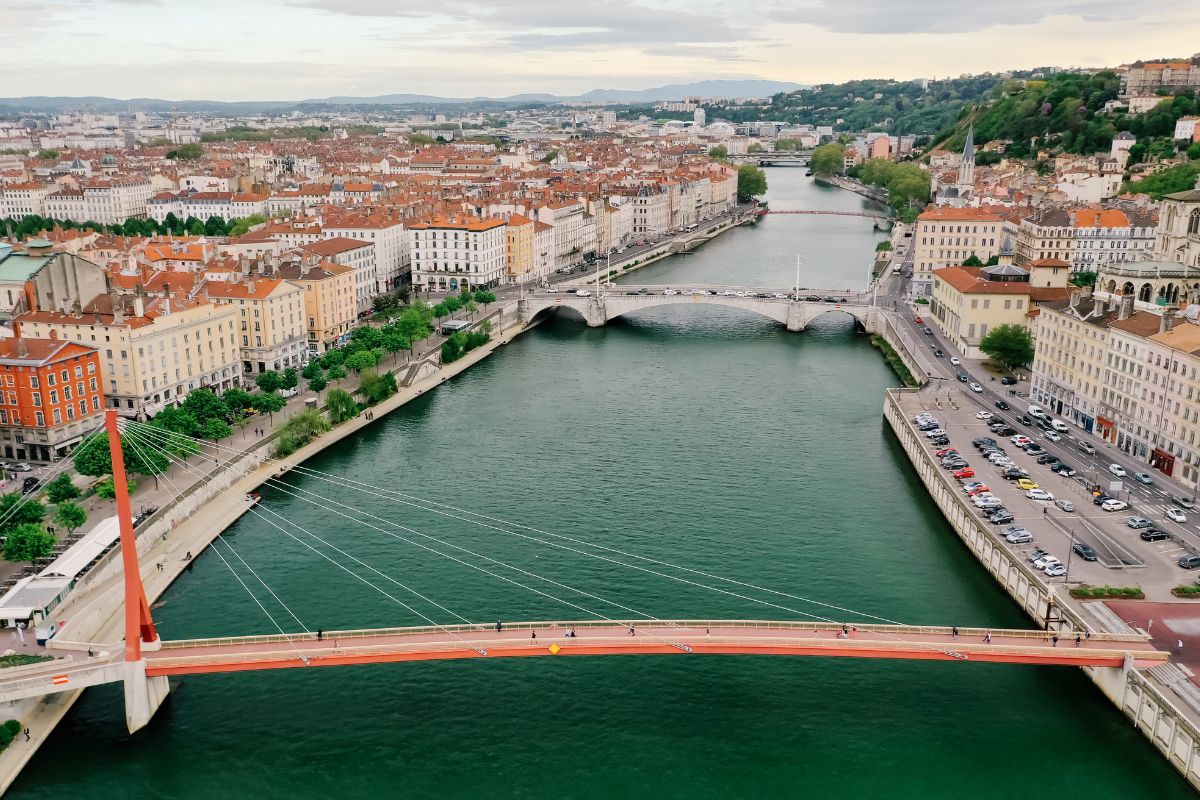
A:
(215, 429)
(341, 406)
(204, 404)
(189, 152)
(61, 488)
(28, 542)
(318, 383)
(752, 182)
(299, 430)
(14, 512)
(242, 226)
(269, 402)
(718, 153)
(289, 378)
(375, 387)
(827, 159)
(93, 457)
(69, 515)
(269, 381)
(360, 361)
(1010, 345)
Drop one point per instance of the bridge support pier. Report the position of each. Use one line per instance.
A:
(143, 695)
(523, 311)
(795, 317)
(595, 314)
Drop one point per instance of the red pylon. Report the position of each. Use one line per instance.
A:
(139, 625)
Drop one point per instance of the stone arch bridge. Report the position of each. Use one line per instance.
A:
(597, 308)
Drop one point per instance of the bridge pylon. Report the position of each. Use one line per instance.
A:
(143, 695)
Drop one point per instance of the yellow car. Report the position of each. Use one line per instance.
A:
(1024, 484)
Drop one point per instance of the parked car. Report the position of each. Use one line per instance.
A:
(946, 451)
(1039, 494)
(1065, 505)
(1014, 474)
(1113, 504)
(1059, 425)
(1055, 571)
(1117, 469)
(965, 472)
(1175, 515)
(1033, 448)
(21, 467)
(1024, 537)
(1189, 562)
(1143, 478)
(1154, 535)
(1047, 458)
(1064, 470)
(1183, 502)
(1101, 499)
(1084, 551)
(1026, 485)
(1025, 420)
(1001, 516)
(1008, 381)
(1137, 523)
(983, 415)
(1045, 561)
(289, 393)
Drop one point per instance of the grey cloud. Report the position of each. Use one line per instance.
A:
(553, 25)
(956, 16)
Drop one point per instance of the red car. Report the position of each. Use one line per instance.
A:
(945, 451)
(978, 489)
(966, 472)
(918, 320)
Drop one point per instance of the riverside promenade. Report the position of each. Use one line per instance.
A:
(94, 611)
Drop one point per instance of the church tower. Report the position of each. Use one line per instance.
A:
(966, 169)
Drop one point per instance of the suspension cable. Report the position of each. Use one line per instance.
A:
(375, 491)
(59, 468)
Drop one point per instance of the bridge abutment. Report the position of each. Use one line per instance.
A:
(796, 320)
(143, 695)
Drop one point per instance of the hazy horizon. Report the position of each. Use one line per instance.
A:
(290, 50)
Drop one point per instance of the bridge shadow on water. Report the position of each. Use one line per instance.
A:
(702, 322)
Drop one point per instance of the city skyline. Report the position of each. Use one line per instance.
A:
(302, 49)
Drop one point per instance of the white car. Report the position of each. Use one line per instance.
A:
(1175, 515)
(955, 361)
(1113, 504)
(933, 434)
(1117, 469)
(583, 293)
(779, 296)
(1045, 561)
(1065, 505)
(292, 392)
(1020, 441)
(983, 415)
(1039, 494)
(1055, 571)
(975, 387)
(670, 292)
(1054, 437)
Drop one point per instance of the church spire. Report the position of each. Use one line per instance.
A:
(966, 168)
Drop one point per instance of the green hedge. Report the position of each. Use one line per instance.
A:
(1123, 592)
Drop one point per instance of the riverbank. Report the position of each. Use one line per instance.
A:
(94, 612)
(1141, 696)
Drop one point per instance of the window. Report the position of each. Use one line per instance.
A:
(41, 419)
(33, 382)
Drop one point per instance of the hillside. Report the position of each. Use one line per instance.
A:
(899, 107)
(1065, 112)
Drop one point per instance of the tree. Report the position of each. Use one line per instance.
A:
(189, 152)
(312, 369)
(288, 379)
(360, 361)
(718, 153)
(1083, 278)
(28, 542)
(336, 373)
(14, 512)
(366, 336)
(176, 420)
(484, 297)
(752, 182)
(108, 490)
(317, 384)
(236, 401)
(93, 458)
(270, 403)
(46, 154)
(299, 430)
(341, 406)
(973, 261)
(827, 159)
(269, 381)
(394, 343)
(215, 430)
(69, 515)
(61, 489)
(754, 148)
(1011, 345)
(1193, 151)
(242, 226)
(375, 387)
(204, 404)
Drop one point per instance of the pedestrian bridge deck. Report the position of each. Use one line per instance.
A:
(698, 637)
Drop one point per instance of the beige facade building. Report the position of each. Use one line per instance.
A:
(518, 249)
(272, 325)
(329, 306)
(970, 301)
(945, 237)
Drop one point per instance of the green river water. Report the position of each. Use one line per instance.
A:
(700, 436)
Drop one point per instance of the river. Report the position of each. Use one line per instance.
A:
(700, 436)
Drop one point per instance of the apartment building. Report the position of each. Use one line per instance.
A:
(968, 302)
(26, 198)
(1086, 237)
(272, 327)
(50, 397)
(518, 250)
(385, 231)
(944, 237)
(329, 300)
(1179, 228)
(110, 201)
(204, 204)
(451, 253)
(1068, 366)
(574, 231)
(1144, 78)
(357, 254)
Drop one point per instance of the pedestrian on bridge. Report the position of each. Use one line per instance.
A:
(498, 626)
(1078, 639)
(320, 634)
(533, 634)
(987, 636)
(1054, 640)
(954, 632)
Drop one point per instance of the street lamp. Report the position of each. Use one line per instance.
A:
(1070, 552)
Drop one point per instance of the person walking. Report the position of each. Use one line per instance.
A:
(987, 636)
(27, 734)
(1179, 647)
(1054, 640)
(320, 634)
(533, 634)
(954, 632)
(1078, 639)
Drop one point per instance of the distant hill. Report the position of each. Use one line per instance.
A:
(1065, 113)
(675, 91)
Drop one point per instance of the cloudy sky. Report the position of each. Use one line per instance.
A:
(297, 49)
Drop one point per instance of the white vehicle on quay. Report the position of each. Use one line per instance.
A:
(983, 415)
(1039, 494)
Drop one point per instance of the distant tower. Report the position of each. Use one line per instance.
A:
(966, 169)
(698, 117)
(1007, 252)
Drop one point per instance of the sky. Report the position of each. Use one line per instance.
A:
(302, 49)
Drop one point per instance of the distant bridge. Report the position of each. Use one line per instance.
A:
(598, 308)
(772, 159)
